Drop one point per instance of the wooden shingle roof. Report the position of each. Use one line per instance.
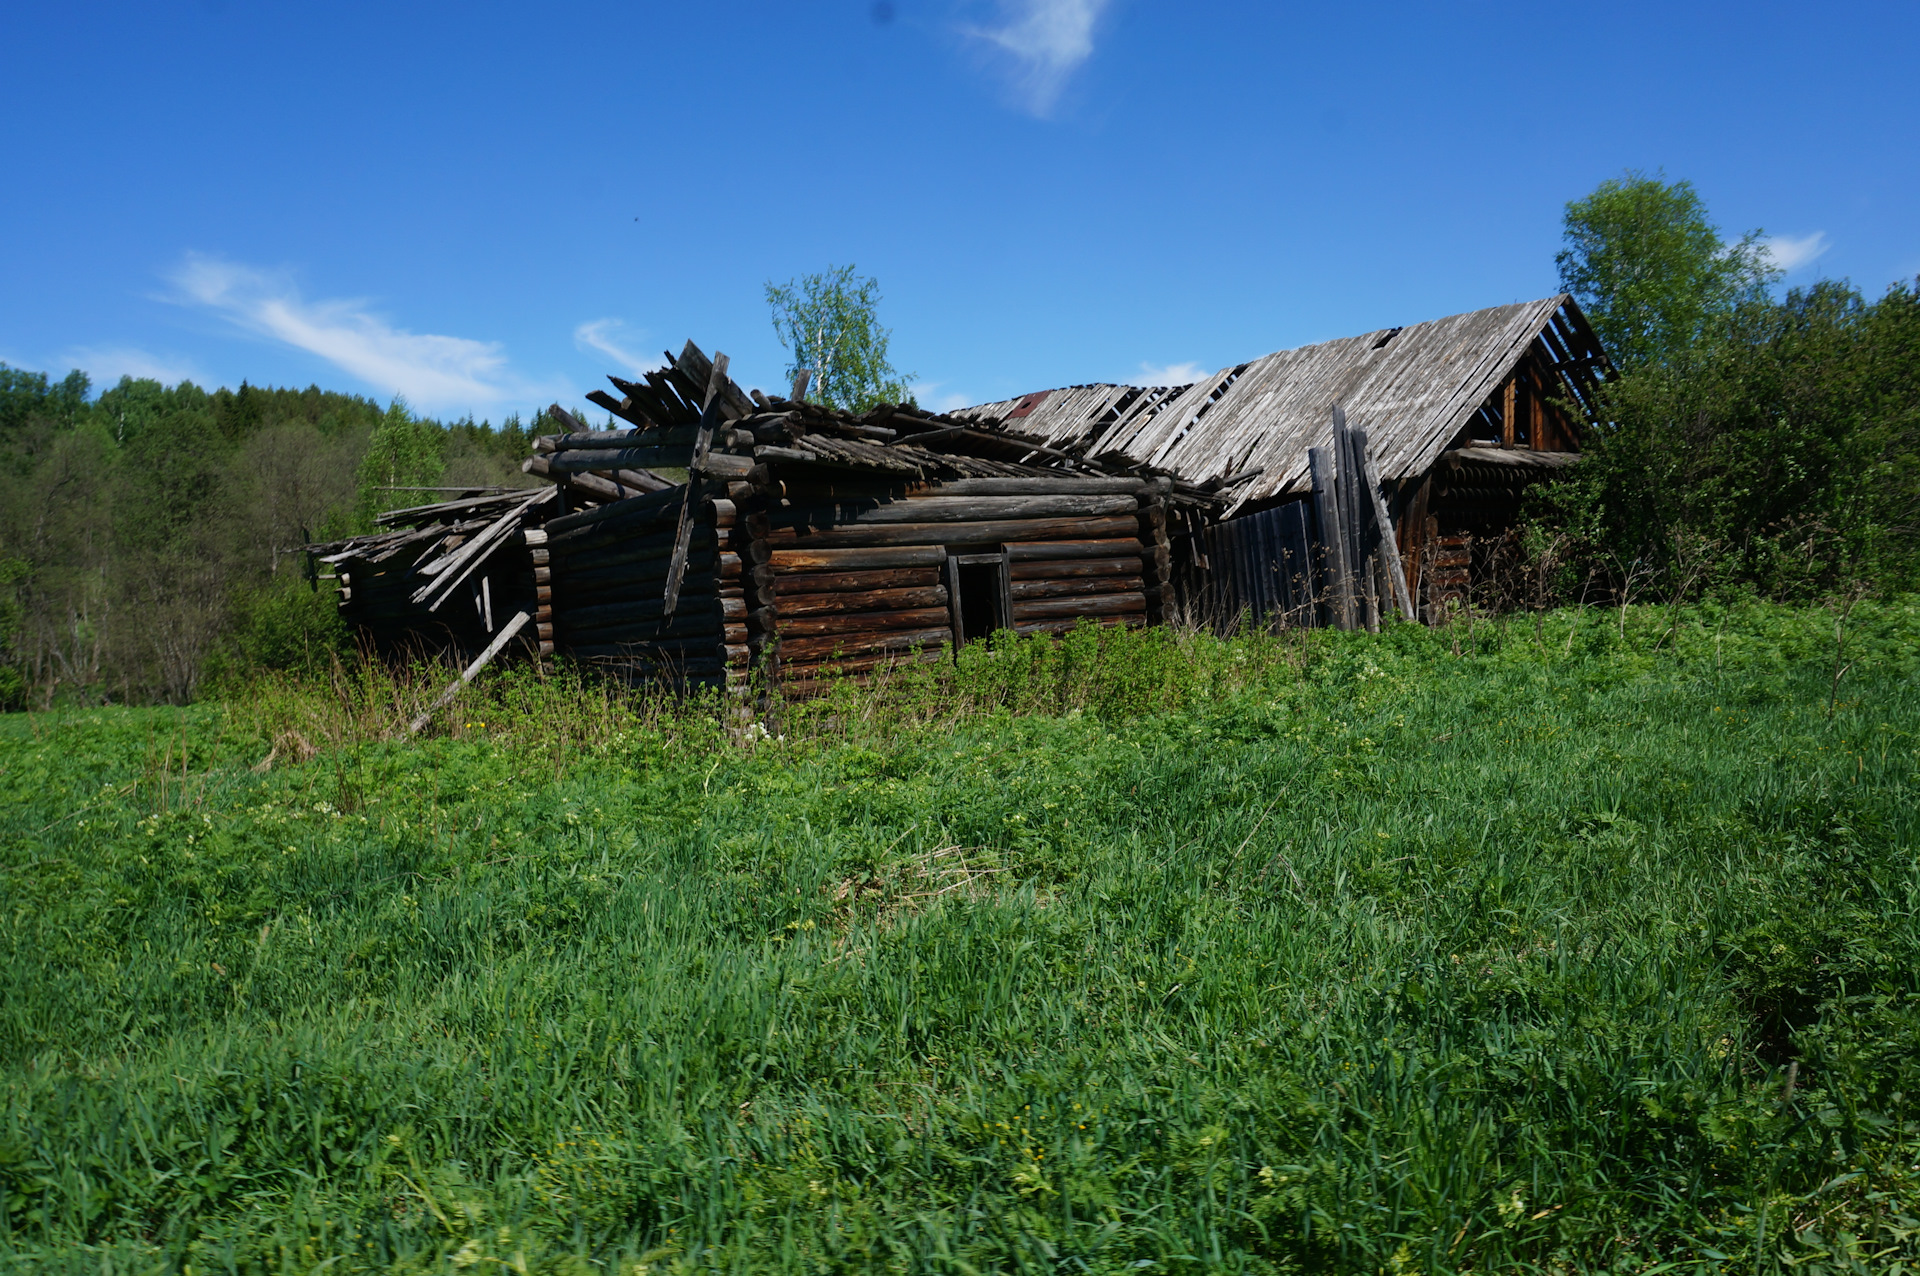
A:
(1413, 389)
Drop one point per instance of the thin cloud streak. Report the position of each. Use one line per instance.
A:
(598, 334)
(430, 370)
(1041, 43)
(927, 395)
(1790, 254)
(1170, 373)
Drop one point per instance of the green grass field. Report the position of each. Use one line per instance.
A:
(1580, 945)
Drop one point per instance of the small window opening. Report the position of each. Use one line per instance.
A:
(979, 593)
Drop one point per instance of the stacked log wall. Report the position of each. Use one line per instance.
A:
(862, 581)
(604, 583)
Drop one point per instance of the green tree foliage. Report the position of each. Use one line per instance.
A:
(152, 532)
(404, 453)
(1651, 270)
(1779, 451)
(828, 322)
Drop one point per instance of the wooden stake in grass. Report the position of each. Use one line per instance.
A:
(506, 635)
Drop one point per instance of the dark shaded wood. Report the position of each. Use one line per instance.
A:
(710, 419)
(1056, 568)
(864, 621)
(842, 601)
(978, 533)
(956, 509)
(1092, 585)
(856, 644)
(1100, 605)
(786, 559)
(800, 585)
(1328, 530)
(1040, 551)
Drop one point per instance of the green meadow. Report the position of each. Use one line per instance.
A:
(1584, 943)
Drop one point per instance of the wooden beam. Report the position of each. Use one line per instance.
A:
(505, 636)
(710, 418)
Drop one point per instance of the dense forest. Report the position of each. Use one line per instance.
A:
(148, 534)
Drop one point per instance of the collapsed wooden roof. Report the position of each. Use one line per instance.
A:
(901, 443)
(1414, 389)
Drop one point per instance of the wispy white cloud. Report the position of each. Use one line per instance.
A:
(107, 364)
(1040, 44)
(1170, 373)
(1790, 254)
(603, 335)
(432, 371)
(927, 395)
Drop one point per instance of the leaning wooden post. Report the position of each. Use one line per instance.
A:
(1333, 550)
(710, 414)
(1389, 543)
(505, 636)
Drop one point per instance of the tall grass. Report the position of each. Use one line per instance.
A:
(1590, 947)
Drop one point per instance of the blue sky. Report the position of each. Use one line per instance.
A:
(487, 207)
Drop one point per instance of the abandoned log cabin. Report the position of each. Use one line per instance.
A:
(801, 539)
(1462, 415)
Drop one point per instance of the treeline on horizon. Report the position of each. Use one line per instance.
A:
(149, 535)
(1752, 442)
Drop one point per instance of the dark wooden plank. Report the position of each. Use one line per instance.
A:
(1061, 608)
(863, 622)
(786, 558)
(856, 644)
(974, 533)
(800, 585)
(1038, 551)
(1057, 569)
(710, 419)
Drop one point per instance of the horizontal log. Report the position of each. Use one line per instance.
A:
(733, 608)
(1082, 587)
(1063, 485)
(1030, 628)
(842, 601)
(1040, 551)
(786, 559)
(1063, 608)
(642, 634)
(697, 590)
(798, 585)
(622, 538)
(550, 444)
(953, 509)
(734, 634)
(980, 533)
(636, 507)
(1062, 568)
(618, 458)
(630, 546)
(614, 565)
(862, 622)
(725, 465)
(696, 615)
(856, 644)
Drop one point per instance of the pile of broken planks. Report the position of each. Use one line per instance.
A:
(457, 567)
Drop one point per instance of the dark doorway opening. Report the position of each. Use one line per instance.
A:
(980, 595)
